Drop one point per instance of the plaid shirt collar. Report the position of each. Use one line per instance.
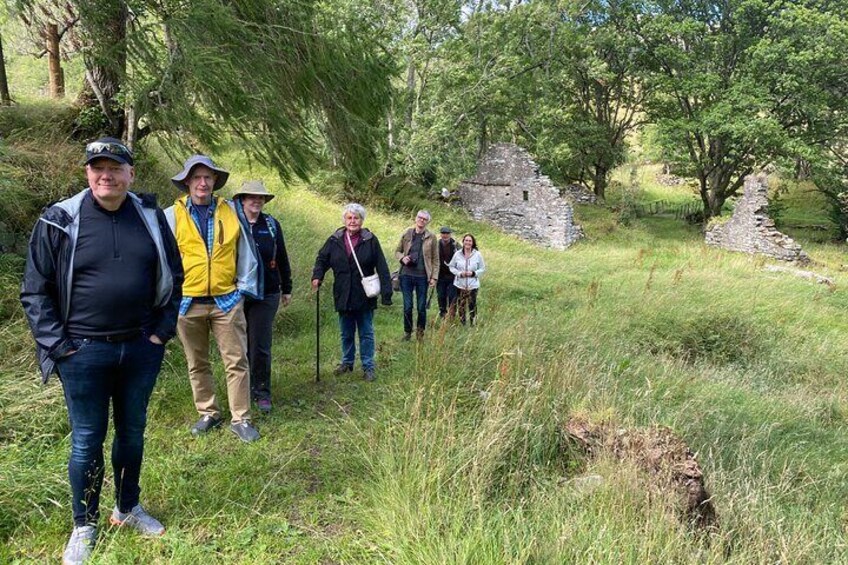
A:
(210, 221)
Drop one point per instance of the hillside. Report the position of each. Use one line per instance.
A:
(456, 454)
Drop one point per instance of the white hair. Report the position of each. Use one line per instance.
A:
(424, 213)
(354, 208)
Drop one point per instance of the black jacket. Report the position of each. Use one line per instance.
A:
(444, 271)
(45, 290)
(348, 294)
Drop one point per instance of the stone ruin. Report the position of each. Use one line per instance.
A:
(509, 191)
(579, 194)
(750, 230)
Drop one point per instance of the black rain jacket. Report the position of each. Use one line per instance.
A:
(348, 293)
(48, 277)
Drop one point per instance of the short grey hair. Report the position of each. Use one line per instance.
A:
(424, 213)
(354, 208)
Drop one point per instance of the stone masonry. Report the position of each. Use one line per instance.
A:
(750, 230)
(579, 194)
(509, 191)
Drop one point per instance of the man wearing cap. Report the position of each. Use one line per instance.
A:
(220, 265)
(276, 287)
(101, 291)
(444, 287)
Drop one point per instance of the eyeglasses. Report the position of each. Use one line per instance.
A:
(96, 147)
(425, 218)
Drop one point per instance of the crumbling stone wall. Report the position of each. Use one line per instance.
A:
(750, 230)
(509, 191)
(579, 194)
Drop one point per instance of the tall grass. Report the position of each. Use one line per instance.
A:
(456, 454)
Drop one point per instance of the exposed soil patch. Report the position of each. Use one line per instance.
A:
(658, 452)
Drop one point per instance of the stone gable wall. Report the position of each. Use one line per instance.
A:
(750, 230)
(509, 191)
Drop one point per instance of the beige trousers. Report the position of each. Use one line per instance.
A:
(230, 331)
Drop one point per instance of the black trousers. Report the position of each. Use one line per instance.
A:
(447, 295)
(467, 298)
(260, 325)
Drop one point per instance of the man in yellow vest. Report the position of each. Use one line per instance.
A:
(220, 265)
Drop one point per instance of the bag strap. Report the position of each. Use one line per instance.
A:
(353, 252)
(273, 230)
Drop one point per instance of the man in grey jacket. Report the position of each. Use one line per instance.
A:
(101, 291)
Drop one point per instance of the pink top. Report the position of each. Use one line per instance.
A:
(354, 241)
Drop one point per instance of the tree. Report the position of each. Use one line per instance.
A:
(48, 21)
(591, 88)
(5, 97)
(726, 92)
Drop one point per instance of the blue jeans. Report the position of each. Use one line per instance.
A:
(409, 284)
(349, 322)
(98, 372)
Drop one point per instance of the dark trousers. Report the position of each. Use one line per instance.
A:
(408, 285)
(467, 298)
(98, 372)
(260, 325)
(447, 296)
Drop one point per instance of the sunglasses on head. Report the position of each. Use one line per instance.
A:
(110, 147)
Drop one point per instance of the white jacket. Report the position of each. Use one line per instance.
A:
(459, 264)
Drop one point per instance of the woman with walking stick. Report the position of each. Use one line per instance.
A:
(353, 253)
(467, 265)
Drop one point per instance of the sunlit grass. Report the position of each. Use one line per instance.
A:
(455, 454)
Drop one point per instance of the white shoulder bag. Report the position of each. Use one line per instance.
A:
(371, 283)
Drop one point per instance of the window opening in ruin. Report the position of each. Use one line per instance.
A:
(526, 196)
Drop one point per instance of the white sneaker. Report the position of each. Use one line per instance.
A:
(139, 520)
(80, 545)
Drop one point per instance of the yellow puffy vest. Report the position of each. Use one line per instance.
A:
(207, 275)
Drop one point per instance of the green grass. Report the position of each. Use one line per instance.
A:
(456, 454)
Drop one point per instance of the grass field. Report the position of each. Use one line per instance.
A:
(456, 453)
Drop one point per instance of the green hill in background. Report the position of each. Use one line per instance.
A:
(457, 454)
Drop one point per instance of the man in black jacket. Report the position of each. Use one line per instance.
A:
(101, 292)
(444, 286)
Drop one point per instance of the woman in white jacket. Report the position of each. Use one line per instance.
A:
(467, 265)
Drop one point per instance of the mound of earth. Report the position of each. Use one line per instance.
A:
(658, 452)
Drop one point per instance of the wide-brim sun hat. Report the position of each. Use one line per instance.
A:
(179, 179)
(255, 188)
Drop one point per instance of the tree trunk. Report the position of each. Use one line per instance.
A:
(600, 181)
(104, 27)
(482, 136)
(704, 193)
(56, 78)
(410, 93)
(5, 98)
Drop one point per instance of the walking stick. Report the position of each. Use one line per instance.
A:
(318, 335)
